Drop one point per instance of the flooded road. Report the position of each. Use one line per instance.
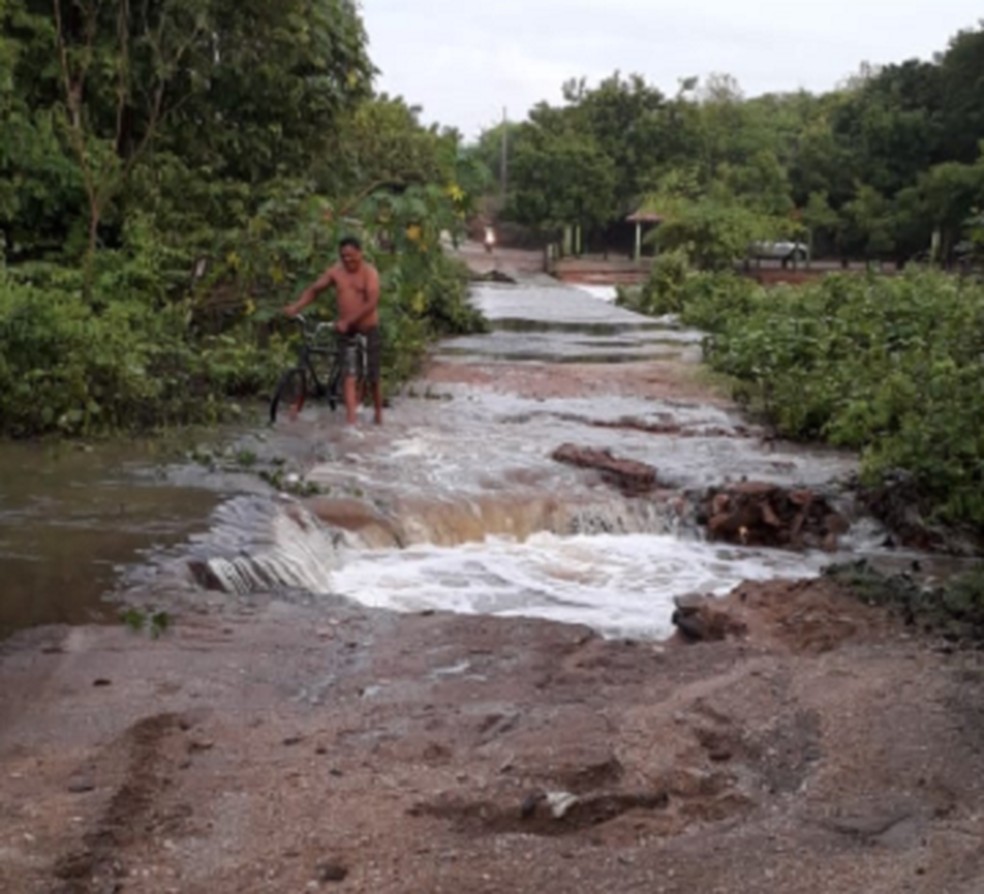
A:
(458, 504)
(486, 521)
(455, 504)
(354, 676)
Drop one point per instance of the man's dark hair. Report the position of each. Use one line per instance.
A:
(349, 242)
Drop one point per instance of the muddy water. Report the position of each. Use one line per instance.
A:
(455, 504)
(74, 517)
(563, 545)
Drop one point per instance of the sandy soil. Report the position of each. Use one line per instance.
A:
(272, 747)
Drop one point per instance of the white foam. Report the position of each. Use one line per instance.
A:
(619, 585)
(603, 292)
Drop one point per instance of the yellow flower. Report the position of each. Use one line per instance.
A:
(418, 304)
(414, 233)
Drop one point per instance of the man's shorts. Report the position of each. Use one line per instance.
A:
(349, 346)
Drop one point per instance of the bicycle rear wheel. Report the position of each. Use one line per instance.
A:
(290, 394)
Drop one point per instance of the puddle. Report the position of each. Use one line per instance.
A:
(72, 518)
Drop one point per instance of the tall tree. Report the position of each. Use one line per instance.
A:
(238, 88)
(625, 118)
(560, 179)
(961, 89)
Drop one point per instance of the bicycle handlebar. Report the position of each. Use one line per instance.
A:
(309, 331)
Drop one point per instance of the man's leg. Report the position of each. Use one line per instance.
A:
(374, 372)
(351, 399)
(377, 402)
(349, 349)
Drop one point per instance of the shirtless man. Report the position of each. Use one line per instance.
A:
(356, 283)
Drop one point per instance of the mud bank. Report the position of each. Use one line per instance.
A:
(823, 750)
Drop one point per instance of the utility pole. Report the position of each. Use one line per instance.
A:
(504, 163)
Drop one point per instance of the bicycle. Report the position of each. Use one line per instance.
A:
(302, 380)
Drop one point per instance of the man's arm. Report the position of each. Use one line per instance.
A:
(310, 293)
(369, 305)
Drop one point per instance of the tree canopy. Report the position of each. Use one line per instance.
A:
(882, 167)
(170, 170)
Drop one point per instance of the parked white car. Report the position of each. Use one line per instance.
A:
(781, 250)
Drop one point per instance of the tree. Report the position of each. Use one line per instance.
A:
(626, 119)
(961, 87)
(820, 221)
(761, 182)
(951, 193)
(714, 229)
(487, 152)
(381, 141)
(867, 224)
(237, 89)
(887, 126)
(97, 50)
(560, 179)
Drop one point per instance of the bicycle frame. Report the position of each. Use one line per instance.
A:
(309, 349)
(305, 372)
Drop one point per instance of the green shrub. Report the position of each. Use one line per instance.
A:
(148, 345)
(890, 366)
(68, 368)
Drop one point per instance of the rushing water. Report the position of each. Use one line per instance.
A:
(455, 504)
(622, 585)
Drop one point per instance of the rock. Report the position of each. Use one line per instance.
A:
(80, 785)
(356, 516)
(629, 476)
(560, 803)
(332, 872)
(203, 575)
(528, 807)
(701, 619)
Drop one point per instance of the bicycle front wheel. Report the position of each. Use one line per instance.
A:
(334, 390)
(290, 394)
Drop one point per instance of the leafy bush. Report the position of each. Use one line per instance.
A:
(151, 345)
(69, 368)
(890, 366)
(674, 287)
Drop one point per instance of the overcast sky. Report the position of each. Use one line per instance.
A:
(464, 61)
